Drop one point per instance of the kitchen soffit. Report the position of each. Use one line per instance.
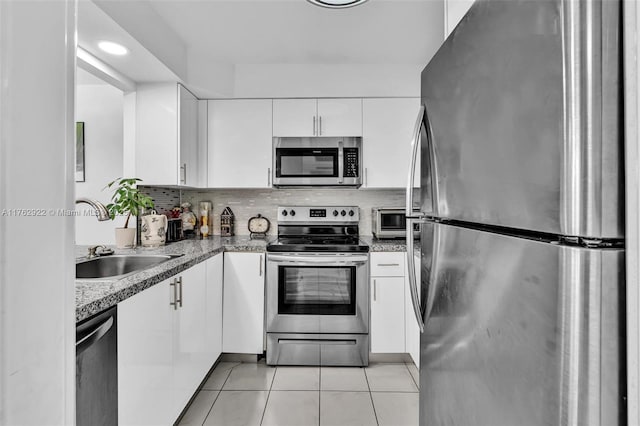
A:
(173, 40)
(297, 32)
(139, 65)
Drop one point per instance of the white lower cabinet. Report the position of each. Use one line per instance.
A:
(191, 359)
(387, 303)
(387, 314)
(393, 325)
(412, 331)
(145, 357)
(214, 305)
(243, 315)
(166, 344)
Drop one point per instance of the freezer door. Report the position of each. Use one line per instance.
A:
(524, 104)
(520, 332)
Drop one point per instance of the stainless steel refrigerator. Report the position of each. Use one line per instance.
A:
(522, 289)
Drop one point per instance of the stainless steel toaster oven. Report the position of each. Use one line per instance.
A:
(390, 222)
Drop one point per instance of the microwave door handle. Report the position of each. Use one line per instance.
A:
(340, 162)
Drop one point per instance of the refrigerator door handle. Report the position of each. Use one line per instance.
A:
(415, 143)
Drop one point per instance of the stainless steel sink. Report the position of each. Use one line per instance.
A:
(119, 265)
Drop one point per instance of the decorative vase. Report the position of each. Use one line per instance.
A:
(153, 230)
(125, 237)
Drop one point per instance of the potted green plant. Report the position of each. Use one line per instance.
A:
(127, 199)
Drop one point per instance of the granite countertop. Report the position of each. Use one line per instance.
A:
(376, 245)
(96, 295)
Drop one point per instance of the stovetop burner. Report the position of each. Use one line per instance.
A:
(318, 229)
(288, 240)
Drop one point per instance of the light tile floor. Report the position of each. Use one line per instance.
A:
(256, 394)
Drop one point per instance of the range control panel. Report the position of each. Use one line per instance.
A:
(300, 214)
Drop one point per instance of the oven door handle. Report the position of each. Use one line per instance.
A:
(333, 260)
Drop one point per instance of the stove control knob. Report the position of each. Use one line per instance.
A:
(335, 212)
(343, 213)
(284, 213)
(351, 213)
(292, 212)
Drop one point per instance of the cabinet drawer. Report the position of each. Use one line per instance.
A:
(387, 264)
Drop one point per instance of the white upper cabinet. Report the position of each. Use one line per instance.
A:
(240, 143)
(166, 147)
(188, 131)
(295, 117)
(339, 117)
(317, 117)
(454, 11)
(387, 131)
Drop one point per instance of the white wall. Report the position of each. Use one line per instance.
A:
(454, 11)
(100, 107)
(37, 295)
(632, 158)
(326, 80)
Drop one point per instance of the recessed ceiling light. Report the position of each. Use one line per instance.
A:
(113, 48)
(336, 4)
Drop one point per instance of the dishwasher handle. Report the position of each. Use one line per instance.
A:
(92, 337)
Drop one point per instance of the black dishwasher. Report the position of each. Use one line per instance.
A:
(97, 370)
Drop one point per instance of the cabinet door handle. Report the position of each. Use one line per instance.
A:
(260, 265)
(388, 264)
(174, 303)
(375, 290)
(320, 126)
(366, 176)
(180, 291)
(314, 125)
(183, 169)
(269, 176)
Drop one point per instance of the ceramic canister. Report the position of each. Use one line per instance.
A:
(154, 229)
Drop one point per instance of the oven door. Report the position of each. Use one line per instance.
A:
(317, 293)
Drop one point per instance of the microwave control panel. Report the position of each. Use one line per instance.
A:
(351, 162)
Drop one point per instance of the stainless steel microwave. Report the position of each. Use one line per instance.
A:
(320, 161)
(389, 222)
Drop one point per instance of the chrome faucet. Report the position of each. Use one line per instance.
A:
(93, 251)
(101, 210)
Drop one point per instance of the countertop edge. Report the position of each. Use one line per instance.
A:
(104, 294)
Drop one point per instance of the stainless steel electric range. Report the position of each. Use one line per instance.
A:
(318, 289)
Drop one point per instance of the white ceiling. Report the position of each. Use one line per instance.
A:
(297, 32)
(139, 65)
(206, 40)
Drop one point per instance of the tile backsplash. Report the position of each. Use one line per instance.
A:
(246, 203)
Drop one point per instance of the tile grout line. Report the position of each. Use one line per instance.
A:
(375, 413)
(412, 378)
(319, 395)
(219, 392)
(264, 410)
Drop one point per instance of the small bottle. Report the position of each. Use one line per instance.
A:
(188, 219)
(204, 223)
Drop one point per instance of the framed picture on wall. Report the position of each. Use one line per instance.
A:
(80, 151)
